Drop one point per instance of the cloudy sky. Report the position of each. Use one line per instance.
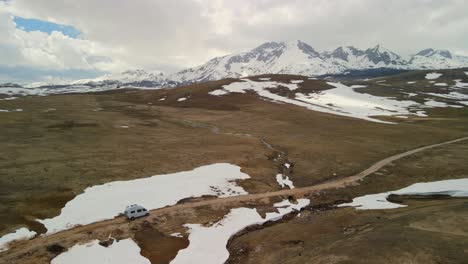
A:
(47, 40)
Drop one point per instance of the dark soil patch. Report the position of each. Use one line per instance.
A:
(157, 247)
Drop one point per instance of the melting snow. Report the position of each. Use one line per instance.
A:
(218, 92)
(181, 99)
(432, 103)
(264, 79)
(284, 180)
(441, 84)
(19, 234)
(259, 87)
(451, 95)
(208, 243)
(460, 84)
(297, 81)
(342, 100)
(120, 252)
(107, 201)
(455, 188)
(433, 75)
(15, 110)
(177, 234)
(411, 82)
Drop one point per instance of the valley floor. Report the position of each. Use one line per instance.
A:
(58, 146)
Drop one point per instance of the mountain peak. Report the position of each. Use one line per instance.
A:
(435, 52)
(381, 54)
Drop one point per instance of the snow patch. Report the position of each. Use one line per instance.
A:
(342, 100)
(19, 234)
(182, 99)
(284, 180)
(460, 84)
(219, 92)
(451, 95)
(108, 200)
(454, 188)
(432, 103)
(177, 234)
(433, 75)
(120, 252)
(208, 243)
(441, 84)
(413, 82)
(264, 79)
(296, 81)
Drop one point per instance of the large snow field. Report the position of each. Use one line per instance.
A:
(19, 234)
(108, 200)
(208, 243)
(341, 100)
(455, 188)
(346, 101)
(125, 251)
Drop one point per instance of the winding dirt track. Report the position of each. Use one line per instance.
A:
(298, 192)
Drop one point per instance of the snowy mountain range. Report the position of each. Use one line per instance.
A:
(300, 58)
(296, 57)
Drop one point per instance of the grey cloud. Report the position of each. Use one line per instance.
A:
(178, 34)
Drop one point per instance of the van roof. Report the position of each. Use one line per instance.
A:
(134, 205)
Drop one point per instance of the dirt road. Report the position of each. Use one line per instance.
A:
(39, 242)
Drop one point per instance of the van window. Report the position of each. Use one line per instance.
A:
(132, 212)
(139, 210)
(144, 210)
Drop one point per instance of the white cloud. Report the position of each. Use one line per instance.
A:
(50, 51)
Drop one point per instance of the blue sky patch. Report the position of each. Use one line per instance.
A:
(31, 24)
(29, 74)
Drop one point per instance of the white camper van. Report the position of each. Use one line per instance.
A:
(134, 211)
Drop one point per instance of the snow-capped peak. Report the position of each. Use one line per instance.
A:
(129, 76)
(379, 54)
(293, 57)
(433, 52)
(298, 57)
